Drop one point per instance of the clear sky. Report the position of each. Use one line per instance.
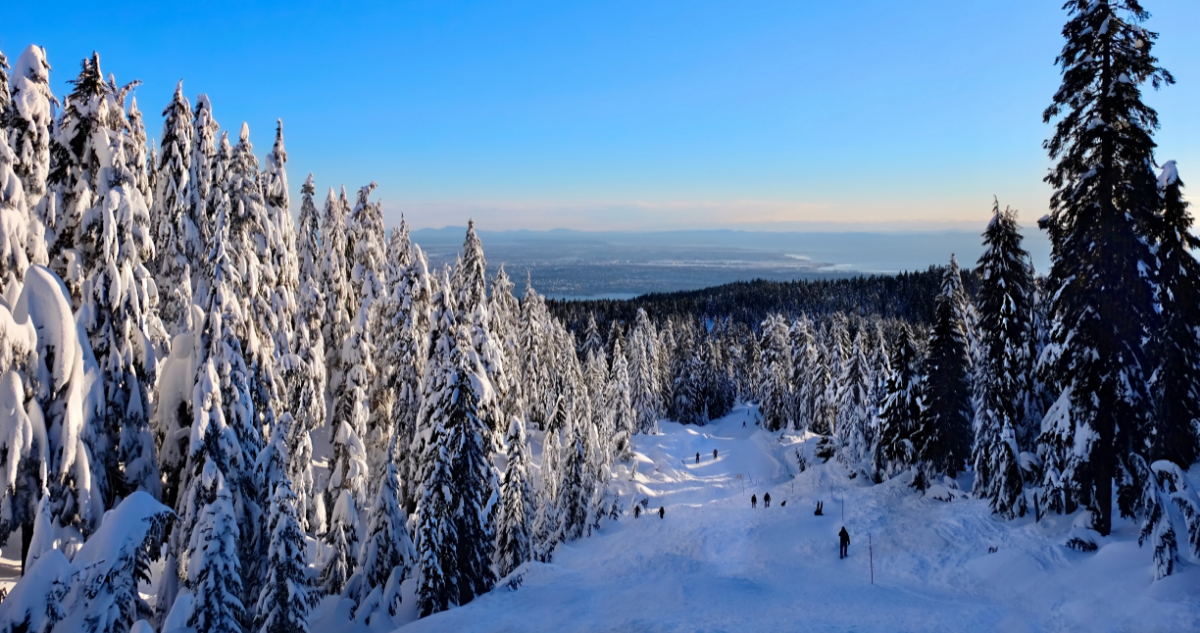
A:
(783, 115)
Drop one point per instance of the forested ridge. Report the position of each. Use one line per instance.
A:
(908, 295)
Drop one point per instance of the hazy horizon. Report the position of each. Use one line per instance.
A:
(573, 264)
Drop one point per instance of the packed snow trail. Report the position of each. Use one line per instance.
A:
(715, 564)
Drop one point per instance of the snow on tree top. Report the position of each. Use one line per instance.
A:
(32, 64)
(1169, 176)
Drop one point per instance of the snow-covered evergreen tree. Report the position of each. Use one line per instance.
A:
(206, 181)
(1003, 370)
(342, 541)
(14, 224)
(113, 245)
(806, 378)
(775, 393)
(535, 374)
(251, 232)
(304, 382)
(835, 346)
(687, 393)
(411, 349)
(286, 597)
(359, 401)
(470, 285)
(74, 503)
(545, 530)
(592, 340)
(644, 361)
(455, 458)
(619, 403)
(23, 443)
(388, 556)
(573, 477)
(437, 536)
(855, 408)
(101, 585)
(335, 286)
(504, 312)
(28, 122)
(717, 388)
(514, 516)
(942, 439)
(1101, 210)
(172, 225)
(220, 403)
(1175, 384)
(281, 252)
(901, 411)
(86, 155)
(214, 569)
(135, 150)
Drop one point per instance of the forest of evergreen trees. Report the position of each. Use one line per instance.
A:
(172, 341)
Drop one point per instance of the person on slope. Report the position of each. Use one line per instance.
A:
(844, 536)
(637, 511)
(661, 512)
(697, 458)
(714, 453)
(753, 501)
(767, 500)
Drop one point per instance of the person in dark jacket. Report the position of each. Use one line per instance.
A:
(661, 512)
(753, 501)
(767, 500)
(844, 536)
(637, 511)
(714, 453)
(697, 458)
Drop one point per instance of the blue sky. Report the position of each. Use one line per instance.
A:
(786, 115)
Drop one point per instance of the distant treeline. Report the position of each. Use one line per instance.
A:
(908, 296)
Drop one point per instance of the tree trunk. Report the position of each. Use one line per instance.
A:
(26, 540)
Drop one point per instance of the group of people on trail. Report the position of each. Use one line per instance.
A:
(843, 535)
(714, 456)
(766, 500)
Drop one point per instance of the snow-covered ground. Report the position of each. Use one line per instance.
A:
(715, 564)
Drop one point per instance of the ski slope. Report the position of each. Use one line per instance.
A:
(715, 564)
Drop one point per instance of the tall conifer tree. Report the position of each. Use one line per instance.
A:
(1101, 211)
(943, 437)
(1176, 379)
(1004, 368)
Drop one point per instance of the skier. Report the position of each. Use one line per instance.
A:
(753, 501)
(845, 538)
(767, 500)
(714, 454)
(637, 511)
(661, 511)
